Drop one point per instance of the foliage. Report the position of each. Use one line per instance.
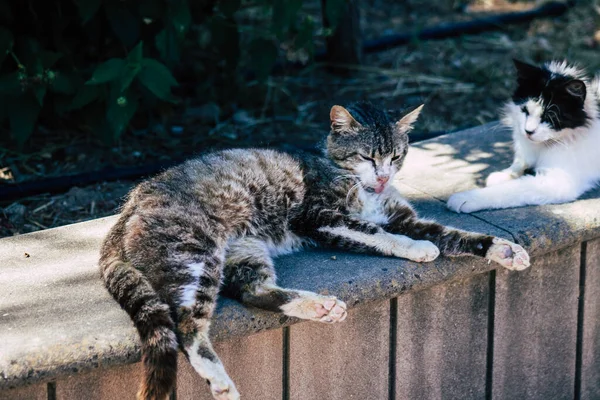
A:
(95, 64)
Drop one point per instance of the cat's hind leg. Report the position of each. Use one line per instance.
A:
(197, 301)
(250, 278)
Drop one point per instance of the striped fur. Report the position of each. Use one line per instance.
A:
(215, 223)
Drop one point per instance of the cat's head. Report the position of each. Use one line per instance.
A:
(367, 142)
(549, 103)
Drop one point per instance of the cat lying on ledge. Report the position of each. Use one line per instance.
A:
(215, 222)
(556, 131)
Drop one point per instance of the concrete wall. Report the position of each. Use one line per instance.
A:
(495, 335)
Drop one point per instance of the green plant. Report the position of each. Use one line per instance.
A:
(95, 64)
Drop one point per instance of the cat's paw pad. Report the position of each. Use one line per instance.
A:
(508, 254)
(463, 202)
(496, 178)
(423, 251)
(223, 389)
(315, 307)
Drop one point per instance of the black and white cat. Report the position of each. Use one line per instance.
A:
(556, 131)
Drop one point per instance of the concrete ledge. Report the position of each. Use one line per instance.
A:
(57, 320)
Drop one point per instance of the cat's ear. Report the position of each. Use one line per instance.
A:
(342, 121)
(526, 71)
(406, 123)
(576, 88)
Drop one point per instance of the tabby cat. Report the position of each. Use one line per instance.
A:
(217, 221)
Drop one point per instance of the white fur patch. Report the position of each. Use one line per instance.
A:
(188, 295)
(188, 292)
(372, 208)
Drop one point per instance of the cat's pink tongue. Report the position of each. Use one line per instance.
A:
(379, 189)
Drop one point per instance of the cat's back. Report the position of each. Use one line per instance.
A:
(240, 187)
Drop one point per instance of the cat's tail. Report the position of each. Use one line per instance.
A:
(153, 321)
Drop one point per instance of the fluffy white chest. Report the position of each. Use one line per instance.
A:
(372, 208)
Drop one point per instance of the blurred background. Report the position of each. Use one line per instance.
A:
(97, 94)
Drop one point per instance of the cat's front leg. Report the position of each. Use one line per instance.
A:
(547, 187)
(380, 242)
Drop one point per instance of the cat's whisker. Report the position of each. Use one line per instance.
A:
(355, 186)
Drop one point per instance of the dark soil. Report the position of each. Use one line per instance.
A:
(462, 81)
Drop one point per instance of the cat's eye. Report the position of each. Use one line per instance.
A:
(395, 158)
(524, 110)
(366, 158)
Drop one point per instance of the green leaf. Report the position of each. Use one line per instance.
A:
(180, 15)
(23, 112)
(10, 84)
(228, 8)
(157, 78)
(131, 71)
(168, 45)
(135, 55)
(264, 55)
(107, 71)
(125, 25)
(85, 95)
(88, 8)
(119, 112)
(134, 65)
(65, 83)
(40, 92)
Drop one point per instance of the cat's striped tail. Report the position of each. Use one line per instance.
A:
(153, 321)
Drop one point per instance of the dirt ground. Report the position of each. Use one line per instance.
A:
(462, 81)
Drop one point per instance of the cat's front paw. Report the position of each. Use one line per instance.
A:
(423, 251)
(496, 178)
(464, 202)
(508, 254)
(222, 388)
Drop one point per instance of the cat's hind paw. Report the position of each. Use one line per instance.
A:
(508, 254)
(314, 307)
(464, 202)
(223, 389)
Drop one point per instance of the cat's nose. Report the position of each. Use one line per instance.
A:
(383, 179)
